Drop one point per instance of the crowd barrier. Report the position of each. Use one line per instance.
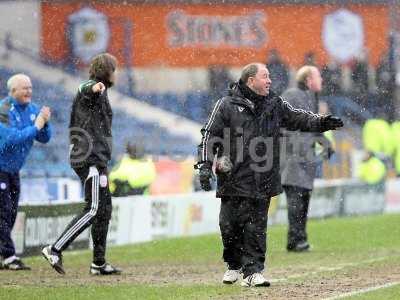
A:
(144, 218)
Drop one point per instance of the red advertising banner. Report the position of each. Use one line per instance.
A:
(201, 35)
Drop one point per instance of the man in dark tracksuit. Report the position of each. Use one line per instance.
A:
(91, 141)
(300, 162)
(243, 131)
(23, 123)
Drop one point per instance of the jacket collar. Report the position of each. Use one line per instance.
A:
(302, 86)
(238, 98)
(16, 104)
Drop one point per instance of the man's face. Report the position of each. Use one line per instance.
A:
(314, 81)
(261, 82)
(22, 91)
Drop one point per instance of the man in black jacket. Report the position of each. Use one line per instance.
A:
(90, 152)
(243, 132)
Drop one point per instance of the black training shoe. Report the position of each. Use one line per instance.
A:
(105, 269)
(299, 247)
(54, 259)
(15, 264)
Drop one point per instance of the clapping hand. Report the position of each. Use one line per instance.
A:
(45, 112)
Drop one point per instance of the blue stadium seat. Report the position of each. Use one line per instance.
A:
(52, 159)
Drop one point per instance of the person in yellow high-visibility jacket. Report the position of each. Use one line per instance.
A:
(134, 173)
(372, 170)
(396, 142)
(377, 137)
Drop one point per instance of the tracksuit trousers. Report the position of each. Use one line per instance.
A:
(243, 224)
(97, 212)
(9, 196)
(298, 201)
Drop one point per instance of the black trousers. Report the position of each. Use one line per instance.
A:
(97, 212)
(9, 196)
(243, 224)
(298, 201)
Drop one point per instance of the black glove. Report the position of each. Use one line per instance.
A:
(328, 153)
(205, 175)
(331, 123)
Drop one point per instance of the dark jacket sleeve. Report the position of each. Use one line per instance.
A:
(212, 133)
(44, 134)
(299, 119)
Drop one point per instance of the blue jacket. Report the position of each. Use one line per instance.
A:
(18, 138)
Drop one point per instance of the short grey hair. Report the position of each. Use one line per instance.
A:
(303, 73)
(13, 80)
(250, 70)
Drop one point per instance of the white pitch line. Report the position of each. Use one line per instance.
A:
(330, 269)
(363, 291)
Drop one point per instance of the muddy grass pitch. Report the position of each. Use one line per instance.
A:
(351, 257)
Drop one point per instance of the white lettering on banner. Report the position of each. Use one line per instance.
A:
(190, 214)
(216, 31)
(45, 230)
(131, 220)
(194, 214)
(159, 218)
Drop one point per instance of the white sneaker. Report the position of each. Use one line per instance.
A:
(231, 276)
(54, 259)
(256, 279)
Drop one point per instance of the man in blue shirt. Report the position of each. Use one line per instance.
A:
(23, 124)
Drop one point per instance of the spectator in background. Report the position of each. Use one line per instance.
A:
(8, 45)
(359, 77)
(332, 79)
(219, 80)
(309, 59)
(385, 81)
(279, 72)
(33, 123)
(300, 163)
(359, 74)
(134, 173)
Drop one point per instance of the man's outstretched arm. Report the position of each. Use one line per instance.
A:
(299, 119)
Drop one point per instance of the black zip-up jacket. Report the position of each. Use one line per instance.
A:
(90, 128)
(246, 128)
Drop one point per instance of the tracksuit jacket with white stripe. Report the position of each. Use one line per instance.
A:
(90, 128)
(246, 128)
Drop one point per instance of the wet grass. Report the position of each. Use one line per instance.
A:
(336, 242)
